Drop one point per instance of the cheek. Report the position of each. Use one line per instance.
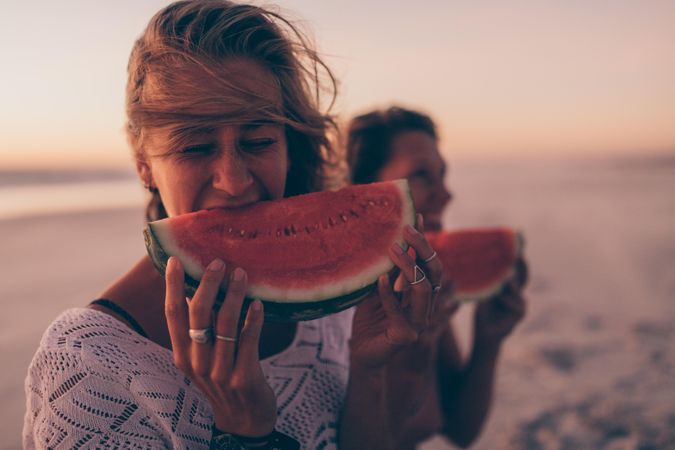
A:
(419, 194)
(275, 172)
(178, 185)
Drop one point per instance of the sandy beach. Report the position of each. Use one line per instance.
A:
(591, 366)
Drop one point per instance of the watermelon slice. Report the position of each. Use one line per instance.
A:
(479, 261)
(305, 256)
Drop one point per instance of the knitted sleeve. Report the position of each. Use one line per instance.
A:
(93, 383)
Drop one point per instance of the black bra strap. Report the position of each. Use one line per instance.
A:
(118, 310)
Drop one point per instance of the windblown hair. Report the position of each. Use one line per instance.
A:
(205, 35)
(370, 135)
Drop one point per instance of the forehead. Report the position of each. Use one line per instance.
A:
(415, 147)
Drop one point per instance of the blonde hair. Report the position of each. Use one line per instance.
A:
(206, 34)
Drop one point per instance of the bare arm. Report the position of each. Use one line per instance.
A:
(466, 393)
(364, 423)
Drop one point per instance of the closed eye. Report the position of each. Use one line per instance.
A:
(257, 145)
(197, 150)
(420, 174)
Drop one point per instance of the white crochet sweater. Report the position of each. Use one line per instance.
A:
(95, 383)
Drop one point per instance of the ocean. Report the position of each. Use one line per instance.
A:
(28, 193)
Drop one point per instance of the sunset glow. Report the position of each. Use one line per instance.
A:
(501, 78)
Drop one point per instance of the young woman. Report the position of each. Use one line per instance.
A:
(221, 115)
(453, 396)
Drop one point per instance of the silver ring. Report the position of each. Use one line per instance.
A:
(436, 289)
(417, 280)
(226, 338)
(431, 258)
(201, 335)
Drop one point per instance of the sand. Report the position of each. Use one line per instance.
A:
(591, 366)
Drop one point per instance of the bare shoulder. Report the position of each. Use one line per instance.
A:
(140, 293)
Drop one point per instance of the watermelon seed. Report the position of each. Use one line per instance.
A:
(253, 234)
(229, 230)
(371, 203)
(287, 232)
(331, 222)
(353, 213)
(343, 217)
(278, 233)
(242, 233)
(307, 230)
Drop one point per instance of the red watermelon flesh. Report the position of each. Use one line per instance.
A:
(309, 248)
(478, 261)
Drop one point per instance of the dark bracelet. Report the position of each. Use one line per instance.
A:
(274, 441)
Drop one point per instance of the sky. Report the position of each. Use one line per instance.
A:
(501, 78)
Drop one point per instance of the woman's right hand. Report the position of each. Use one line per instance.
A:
(227, 372)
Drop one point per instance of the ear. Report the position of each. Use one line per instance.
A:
(145, 173)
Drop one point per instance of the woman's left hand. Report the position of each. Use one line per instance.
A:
(383, 324)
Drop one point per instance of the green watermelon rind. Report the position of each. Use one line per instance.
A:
(274, 311)
(498, 287)
(283, 311)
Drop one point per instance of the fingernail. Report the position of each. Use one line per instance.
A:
(412, 230)
(216, 265)
(256, 305)
(397, 249)
(238, 274)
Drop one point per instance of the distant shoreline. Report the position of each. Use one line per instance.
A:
(33, 177)
(72, 214)
(17, 178)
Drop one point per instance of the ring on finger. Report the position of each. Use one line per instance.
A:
(419, 275)
(431, 258)
(201, 335)
(436, 288)
(226, 338)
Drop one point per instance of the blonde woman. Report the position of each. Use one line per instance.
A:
(222, 114)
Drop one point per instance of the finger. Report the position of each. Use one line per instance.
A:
(249, 338)
(201, 314)
(522, 273)
(410, 271)
(227, 322)
(401, 285)
(420, 223)
(420, 288)
(511, 299)
(398, 331)
(426, 255)
(176, 311)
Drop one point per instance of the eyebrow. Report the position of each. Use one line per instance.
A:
(254, 125)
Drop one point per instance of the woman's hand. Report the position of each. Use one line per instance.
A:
(226, 370)
(496, 318)
(383, 324)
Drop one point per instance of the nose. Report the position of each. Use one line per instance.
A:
(230, 173)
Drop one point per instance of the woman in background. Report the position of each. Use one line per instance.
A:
(223, 112)
(447, 394)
